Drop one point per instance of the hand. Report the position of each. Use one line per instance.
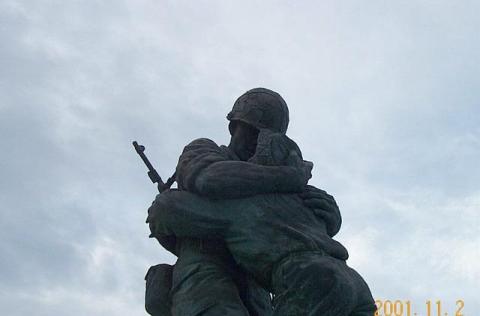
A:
(304, 167)
(324, 206)
(271, 149)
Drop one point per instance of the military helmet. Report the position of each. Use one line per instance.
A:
(261, 108)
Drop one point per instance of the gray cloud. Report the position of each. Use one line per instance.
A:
(382, 97)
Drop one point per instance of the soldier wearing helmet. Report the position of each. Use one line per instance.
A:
(252, 195)
(261, 108)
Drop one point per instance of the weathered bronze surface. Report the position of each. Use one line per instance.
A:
(245, 224)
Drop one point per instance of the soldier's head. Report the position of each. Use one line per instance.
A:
(256, 109)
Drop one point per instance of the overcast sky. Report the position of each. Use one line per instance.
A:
(384, 98)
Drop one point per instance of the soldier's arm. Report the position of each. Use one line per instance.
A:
(324, 206)
(203, 168)
(235, 179)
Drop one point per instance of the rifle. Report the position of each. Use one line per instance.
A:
(152, 173)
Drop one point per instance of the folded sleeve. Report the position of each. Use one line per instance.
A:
(197, 156)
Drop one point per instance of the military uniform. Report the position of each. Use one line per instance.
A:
(205, 280)
(268, 229)
(281, 242)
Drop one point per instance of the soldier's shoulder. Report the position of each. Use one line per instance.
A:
(201, 144)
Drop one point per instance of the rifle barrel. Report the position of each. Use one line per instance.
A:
(152, 174)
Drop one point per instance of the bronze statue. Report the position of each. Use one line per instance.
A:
(263, 229)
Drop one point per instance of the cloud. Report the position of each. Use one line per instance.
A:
(382, 98)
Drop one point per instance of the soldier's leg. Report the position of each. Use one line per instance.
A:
(365, 305)
(312, 283)
(203, 284)
(257, 300)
